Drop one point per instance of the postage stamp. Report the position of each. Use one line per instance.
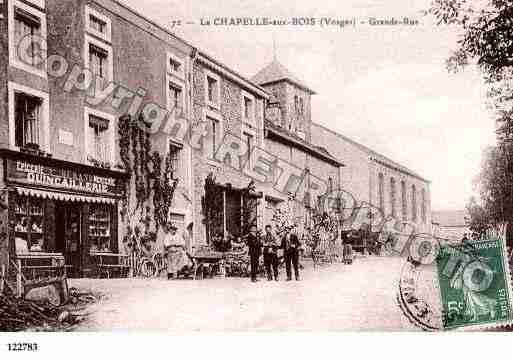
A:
(475, 284)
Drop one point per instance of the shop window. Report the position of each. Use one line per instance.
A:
(29, 224)
(99, 231)
(99, 148)
(27, 120)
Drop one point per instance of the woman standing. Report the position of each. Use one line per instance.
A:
(174, 246)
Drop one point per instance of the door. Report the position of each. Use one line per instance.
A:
(68, 230)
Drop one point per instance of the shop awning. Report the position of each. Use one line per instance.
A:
(63, 196)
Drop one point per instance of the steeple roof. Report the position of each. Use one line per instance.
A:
(275, 72)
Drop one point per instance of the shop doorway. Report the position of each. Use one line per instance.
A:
(69, 239)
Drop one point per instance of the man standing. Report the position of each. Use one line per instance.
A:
(255, 248)
(290, 245)
(270, 254)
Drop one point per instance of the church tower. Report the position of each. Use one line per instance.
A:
(290, 103)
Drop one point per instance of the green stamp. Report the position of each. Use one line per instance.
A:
(475, 284)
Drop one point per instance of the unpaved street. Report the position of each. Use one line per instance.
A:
(337, 297)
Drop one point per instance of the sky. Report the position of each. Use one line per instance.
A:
(386, 87)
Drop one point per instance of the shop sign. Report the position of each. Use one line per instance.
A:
(35, 174)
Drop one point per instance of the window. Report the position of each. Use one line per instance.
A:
(214, 139)
(413, 203)
(99, 132)
(27, 42)
(174, 160)
(423, 208)
(98, 24)
(27, 25)
(381, 185)
(98, 59)
(175, 99)
(248, 108)
(99, 139)
(403, 200)
(249, 140)
(175, 66)
(212, 85)
(212, 90)
(392, 197)
(27, 119)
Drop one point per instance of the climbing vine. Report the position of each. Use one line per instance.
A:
(154, 186)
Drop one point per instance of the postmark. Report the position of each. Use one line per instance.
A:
(467, 287)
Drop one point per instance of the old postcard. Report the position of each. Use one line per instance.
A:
(255, 166)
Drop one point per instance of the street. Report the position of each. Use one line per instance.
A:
(335, 297)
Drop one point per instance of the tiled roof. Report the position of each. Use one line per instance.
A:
(289, 136)
(451, 218)
(274, 72)
(375, 156)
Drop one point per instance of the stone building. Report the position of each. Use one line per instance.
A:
(59, 125)
(240, 148)
(373, 178)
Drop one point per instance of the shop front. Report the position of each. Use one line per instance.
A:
(61, 212)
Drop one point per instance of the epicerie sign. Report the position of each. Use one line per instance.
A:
(63, 178)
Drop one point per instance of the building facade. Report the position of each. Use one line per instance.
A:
(375, 179)
(238, 149)
(59, 131)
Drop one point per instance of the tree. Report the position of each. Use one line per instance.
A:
(487, 41)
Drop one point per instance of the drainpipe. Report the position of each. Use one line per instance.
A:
(190, 111)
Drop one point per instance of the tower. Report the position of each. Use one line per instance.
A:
(290, 103)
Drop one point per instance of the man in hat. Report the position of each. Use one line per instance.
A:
(270, 254)
(255, 249)
(291, 245)
(174, 246)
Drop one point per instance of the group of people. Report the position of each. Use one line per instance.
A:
(271, 247)
(284, 246)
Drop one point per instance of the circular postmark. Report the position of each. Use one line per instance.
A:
(418, 295)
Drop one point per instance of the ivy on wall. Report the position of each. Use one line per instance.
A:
(153, 179)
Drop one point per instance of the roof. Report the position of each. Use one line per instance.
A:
(297, 141)
(375, 156)
(275, 72)
(234, 75)
(451, 218)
